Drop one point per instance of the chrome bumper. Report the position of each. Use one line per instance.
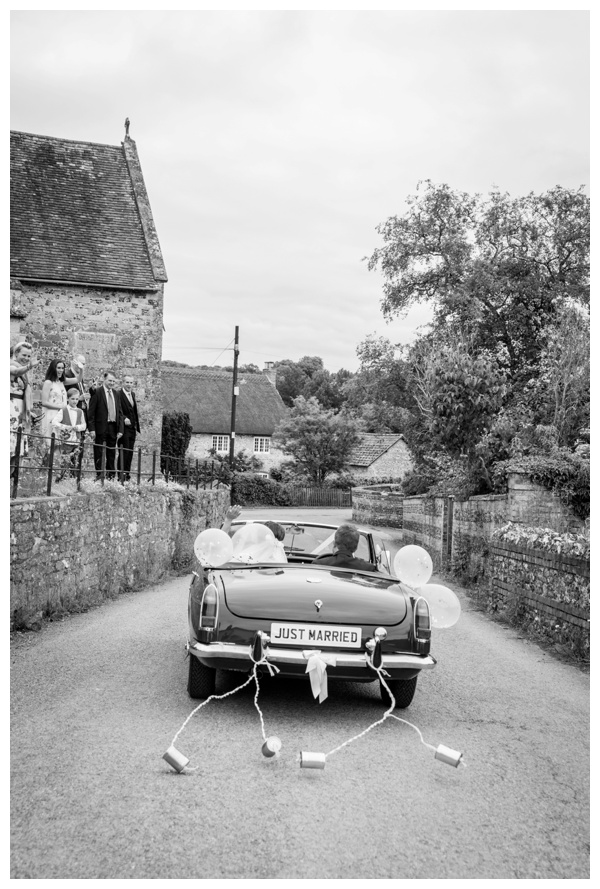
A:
(220, 650)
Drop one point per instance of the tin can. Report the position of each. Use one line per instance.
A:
(271, 747)
(312, 760)
(445, 754)
(175, 759)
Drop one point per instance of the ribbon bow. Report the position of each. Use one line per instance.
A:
(317, 670)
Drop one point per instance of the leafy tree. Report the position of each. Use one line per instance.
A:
(561, 389)
(291, 380)
(319, 440)
(493, 267)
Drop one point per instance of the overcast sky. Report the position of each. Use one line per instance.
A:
(274, 142)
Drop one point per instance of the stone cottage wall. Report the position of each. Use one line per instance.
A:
(118, 330)
(395, 463)
(68, 553)
(200, 446)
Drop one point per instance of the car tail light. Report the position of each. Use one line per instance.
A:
(209, 610)
(422, 621)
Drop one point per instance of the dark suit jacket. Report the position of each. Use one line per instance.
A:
(130, 412)
(97, 418)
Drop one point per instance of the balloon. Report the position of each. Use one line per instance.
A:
(254, 542)
(444, 605)
(413, 565)
(213, 547)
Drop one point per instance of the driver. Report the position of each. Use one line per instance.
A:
(345, 543)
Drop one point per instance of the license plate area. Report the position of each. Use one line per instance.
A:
(316, 635)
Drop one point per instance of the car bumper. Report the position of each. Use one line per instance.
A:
(349, 664)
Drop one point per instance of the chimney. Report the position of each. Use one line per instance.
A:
(270, 372)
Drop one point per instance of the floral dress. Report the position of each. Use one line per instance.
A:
(17, 412)
(56, 396)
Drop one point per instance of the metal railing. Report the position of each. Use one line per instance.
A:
(39, 463)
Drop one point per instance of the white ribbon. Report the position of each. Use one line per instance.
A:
(317, 671)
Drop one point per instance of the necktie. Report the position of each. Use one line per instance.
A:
(111, 406)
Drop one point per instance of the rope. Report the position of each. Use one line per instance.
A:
(253, 676)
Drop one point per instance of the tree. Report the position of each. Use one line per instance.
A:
(495, 268)
(561, 389)
(291, 380)
(318, 440)
(175, 438)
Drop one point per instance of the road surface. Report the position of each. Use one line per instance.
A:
(98, 698)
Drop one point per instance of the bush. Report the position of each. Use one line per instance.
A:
(175, 438)
(254, 490)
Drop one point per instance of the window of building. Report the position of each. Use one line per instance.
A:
(220, 444)
(262, 445)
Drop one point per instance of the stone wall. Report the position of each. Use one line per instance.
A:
(533, 505)
(380, 505)
(547, 593)
(473, 523)
(68, 553)
(118, 330)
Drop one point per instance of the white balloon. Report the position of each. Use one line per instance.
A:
(413, 565)
(444, 605)
(254, 542)
(213, 547)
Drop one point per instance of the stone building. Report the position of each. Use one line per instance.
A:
(380, 456)
(87, 273)
(205, 395)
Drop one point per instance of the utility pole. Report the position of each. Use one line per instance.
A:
(234, 394)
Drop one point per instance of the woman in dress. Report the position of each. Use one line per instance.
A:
(54, 395)
(20, 393)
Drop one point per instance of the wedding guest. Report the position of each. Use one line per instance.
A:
(131, 422)
(54, 395)
(74, 379)
(69, 424)
(105, 423)
(21, 397)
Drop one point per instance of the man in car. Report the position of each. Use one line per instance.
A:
(345, 543)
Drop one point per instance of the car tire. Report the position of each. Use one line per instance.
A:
(201, 679)
(402, 689)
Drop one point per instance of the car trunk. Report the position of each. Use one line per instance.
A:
(290, 594)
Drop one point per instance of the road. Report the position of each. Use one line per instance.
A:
(97, 699)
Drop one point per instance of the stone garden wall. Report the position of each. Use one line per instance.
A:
(546, 592)
(68, 553)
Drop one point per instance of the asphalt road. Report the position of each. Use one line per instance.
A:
(98, 698)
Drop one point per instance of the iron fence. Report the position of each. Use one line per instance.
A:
(38, 465)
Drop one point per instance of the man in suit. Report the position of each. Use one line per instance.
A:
(105, 423)
(131, 422)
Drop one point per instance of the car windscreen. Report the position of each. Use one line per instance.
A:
(316, 540)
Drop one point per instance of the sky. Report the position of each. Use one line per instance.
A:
(274, 142)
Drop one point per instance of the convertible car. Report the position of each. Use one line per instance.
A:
(359, 620)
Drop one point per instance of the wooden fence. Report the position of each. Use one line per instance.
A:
(336, 497)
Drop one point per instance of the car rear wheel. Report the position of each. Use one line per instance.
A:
(201, 679)
(402, 689)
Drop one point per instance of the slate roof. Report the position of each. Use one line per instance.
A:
(372, 446)
(206, 396)
(80, 213)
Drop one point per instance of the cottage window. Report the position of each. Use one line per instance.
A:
(220, 444)
(262, 445)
